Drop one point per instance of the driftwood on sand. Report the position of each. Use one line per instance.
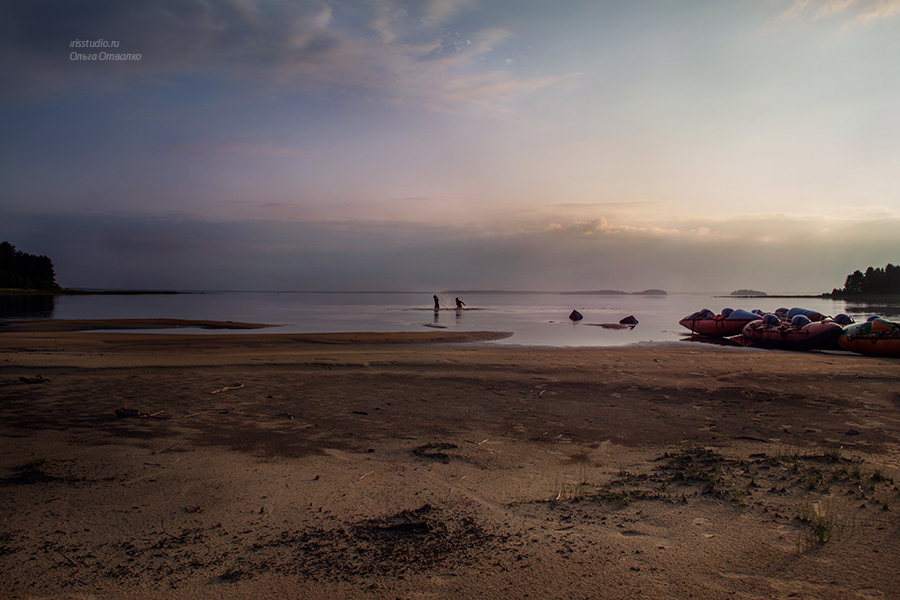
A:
(228, 388)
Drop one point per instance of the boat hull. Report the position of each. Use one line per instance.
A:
(818, 335)
(705, 322)
(714, 327)
(877, 338)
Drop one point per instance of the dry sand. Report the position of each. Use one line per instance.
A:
(436, 465)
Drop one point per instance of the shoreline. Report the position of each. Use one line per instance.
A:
(173, 466)
(35, 325)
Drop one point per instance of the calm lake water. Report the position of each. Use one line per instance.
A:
(533, 319)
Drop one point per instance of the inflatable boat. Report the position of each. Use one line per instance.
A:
(875, 337)
(812, 315)
(800, 333)
(727, 324)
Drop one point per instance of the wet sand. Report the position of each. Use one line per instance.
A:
(438, 465)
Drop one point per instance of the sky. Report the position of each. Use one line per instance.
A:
(692, 146)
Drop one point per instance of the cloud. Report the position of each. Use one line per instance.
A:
(378, 51)
(444, 10)
(865, 11)
(776, 253)
(262, 149)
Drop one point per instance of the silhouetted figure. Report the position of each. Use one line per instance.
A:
(460, 304)
(437, 303)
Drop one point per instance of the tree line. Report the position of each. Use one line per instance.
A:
(874, 282)
(23, 271)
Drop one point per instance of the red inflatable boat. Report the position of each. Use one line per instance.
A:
(799, 334)
(706, 322)
(876, 337)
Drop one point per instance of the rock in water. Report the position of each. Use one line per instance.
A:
(576, 316)
(629, 320)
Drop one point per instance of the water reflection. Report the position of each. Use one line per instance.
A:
(27, 306)
(888, 309)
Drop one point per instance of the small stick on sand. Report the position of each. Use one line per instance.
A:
(226, 389)
(163, 525)
(202, 412)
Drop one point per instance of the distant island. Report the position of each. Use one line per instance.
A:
(874, 282)
(748, 293)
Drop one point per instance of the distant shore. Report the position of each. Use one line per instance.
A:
(71, 292)
(825, 296)
(758, 297)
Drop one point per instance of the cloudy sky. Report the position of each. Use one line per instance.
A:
(699, 145)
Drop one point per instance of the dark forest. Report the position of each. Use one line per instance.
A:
(23, 271)
(874, 282)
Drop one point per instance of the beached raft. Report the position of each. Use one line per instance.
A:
(800, 333)
(728, 323)
(812, 315)
(875, 337)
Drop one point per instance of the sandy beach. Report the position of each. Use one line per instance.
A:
(438, 465)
